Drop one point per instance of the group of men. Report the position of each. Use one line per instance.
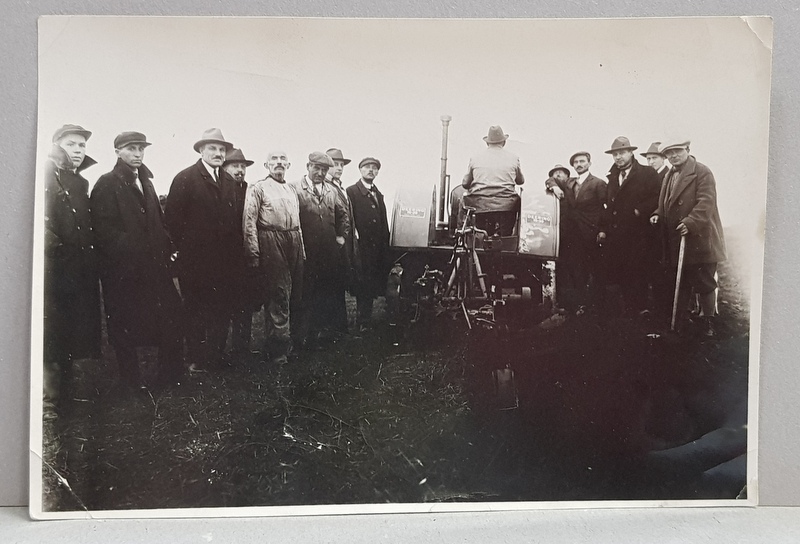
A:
(620, 236)
(184, 274)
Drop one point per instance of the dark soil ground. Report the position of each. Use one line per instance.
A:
(410, 413)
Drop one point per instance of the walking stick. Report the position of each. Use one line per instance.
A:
(681, 251)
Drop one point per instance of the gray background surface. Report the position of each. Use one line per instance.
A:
(779, 440)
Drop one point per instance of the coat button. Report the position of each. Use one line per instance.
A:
(142, 210)
(680, 202)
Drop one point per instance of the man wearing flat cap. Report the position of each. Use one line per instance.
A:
(687, 208)
(142, 304)
(625, 229)
(582, 201)
(372, 238)
(324, 222)
(490, 185)
(345, 272)
(201, 217)
(71, 284)
(245, 284)
(274, 244)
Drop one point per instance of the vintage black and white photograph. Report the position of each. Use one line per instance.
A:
(299, 266)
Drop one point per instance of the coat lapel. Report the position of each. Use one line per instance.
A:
(687, 177)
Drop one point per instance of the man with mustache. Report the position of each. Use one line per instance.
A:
(141, 303)
(201, 218)
(324, 221)
(71, 286)
(624, 226)
(247, 296)
(582, 200)
(273, 243)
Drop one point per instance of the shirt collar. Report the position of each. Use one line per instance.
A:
(583, 177)
(209, 168)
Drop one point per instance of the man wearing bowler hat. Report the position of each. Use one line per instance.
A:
(372, 238)
(71, 286)
(490, 185)
(687, 208)
(345, 274)
(246, 296)
(324, 222)
(201, 217)
(273, 242)
(141, 302)
(624, 227)
(582, 200)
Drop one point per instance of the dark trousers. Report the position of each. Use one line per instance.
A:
(577, 273)
(208, 311)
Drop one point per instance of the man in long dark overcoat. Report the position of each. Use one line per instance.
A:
(201, 217)
(324, 223)
(687, 208)
(345, 273)
(141, 302)
(632, 197)
(246, 284)
(582, 201)
(372, 236)
(659, 275)
(71, 284)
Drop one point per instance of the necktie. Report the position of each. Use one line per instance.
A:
(216, 176)
(138, 182)
(622, 177)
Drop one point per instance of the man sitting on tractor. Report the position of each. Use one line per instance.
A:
(490, 182)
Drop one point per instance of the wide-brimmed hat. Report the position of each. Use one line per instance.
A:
(495, 135)
(556, 168)
(336, 154)
(370, 160)
(652, 150)
(212, 135)
(580, 154)
(621, 143)
(130, 137)
(674, 143)
(71, 129)
(318, 157)
(236, 155)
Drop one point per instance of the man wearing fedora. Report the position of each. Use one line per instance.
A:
(658, 274)
(324, 223)
(345, 274)
(687, 208)
(141, 302)
(71, 284)
(273, 242)
(490, 185)
(245, 284)
(625, 229)
(371, 228)
(582, 201)
(201, 217)
(657, 160)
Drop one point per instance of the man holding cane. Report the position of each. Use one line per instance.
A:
(687, 209)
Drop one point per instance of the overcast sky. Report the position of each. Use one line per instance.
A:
(379, 88)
